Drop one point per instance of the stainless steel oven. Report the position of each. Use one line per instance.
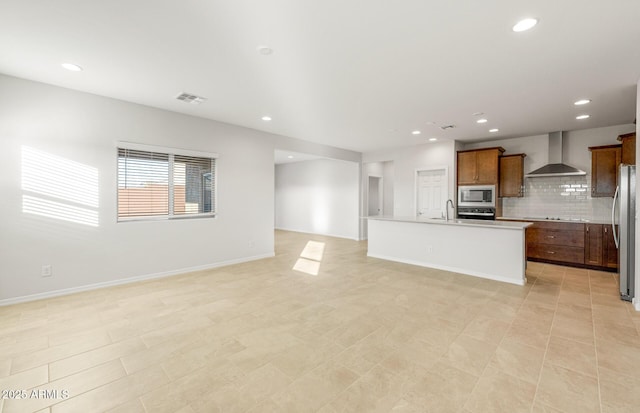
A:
(477, 213)
(477, 196)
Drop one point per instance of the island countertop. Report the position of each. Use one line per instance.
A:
(489, 249)
(506, 224)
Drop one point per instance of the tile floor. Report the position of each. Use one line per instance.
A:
(363, 335)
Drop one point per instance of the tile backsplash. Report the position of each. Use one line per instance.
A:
(565, 197)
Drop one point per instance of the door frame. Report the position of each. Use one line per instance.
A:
(380, 193)
(415, 183)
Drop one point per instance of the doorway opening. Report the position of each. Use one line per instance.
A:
(375, 200)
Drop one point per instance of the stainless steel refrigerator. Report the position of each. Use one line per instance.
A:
(624, 203)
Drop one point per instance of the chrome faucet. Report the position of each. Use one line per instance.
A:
(452, 207)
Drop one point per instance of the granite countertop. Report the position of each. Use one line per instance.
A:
(505, 224)
(555, 219)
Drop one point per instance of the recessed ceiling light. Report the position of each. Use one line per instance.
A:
(266, 118)
(290, 156)
(494, 130)
(265, 50)
(433, 139)
(580, 117)
(582, 102)
(477, 114)
(72, 67)
(481, 120)
(416, 132)
(525, 24)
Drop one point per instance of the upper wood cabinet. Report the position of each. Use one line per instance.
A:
(628, 148)
(479, 166)
(511, 175)
(605, 161)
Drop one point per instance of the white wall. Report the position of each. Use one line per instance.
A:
(296, 145)
(385, 170)
(388, 174)
(84, 128)
(319, 196)
(405, 163)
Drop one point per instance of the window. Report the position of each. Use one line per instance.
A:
(164, 184)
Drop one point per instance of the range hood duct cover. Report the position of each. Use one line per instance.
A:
(555, 167)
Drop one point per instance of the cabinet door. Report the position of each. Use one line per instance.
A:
(593, 252)
(511, 176)
(628, 148)
(610, 256)
(604, 171)
(467, 168)
(487, 167)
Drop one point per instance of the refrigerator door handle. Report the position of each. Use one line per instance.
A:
(613, 218)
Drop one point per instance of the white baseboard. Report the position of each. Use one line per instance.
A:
(636, 303)
(452, 269)
(326, 234)
(128, 280)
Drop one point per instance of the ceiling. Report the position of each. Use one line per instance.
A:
(357, 74)
(281, 156)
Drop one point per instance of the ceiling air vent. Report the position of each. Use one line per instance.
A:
(189, 98)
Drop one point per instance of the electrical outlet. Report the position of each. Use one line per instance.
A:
(430, 249)
(47, 271)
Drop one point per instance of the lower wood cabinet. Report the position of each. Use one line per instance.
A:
(579, 244)
(556, 241)
(593, 252)
(600, 248)
(610, 251)
(559, 253)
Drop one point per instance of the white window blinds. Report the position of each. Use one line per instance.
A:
(164, 185)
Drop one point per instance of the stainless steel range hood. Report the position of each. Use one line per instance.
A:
(555, 167)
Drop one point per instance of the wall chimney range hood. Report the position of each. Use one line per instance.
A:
(555, 167)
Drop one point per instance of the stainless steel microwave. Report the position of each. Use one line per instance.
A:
(477, 196)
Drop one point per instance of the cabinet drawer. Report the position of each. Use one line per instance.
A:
(556, 253)
(555, 237)
(559, 226)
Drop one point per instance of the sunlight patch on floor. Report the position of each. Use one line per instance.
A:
(310, 258)
(313, 250)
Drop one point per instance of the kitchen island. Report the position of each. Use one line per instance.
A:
(489, 249)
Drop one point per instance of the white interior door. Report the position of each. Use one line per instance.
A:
(375, 196)
(431, 193)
